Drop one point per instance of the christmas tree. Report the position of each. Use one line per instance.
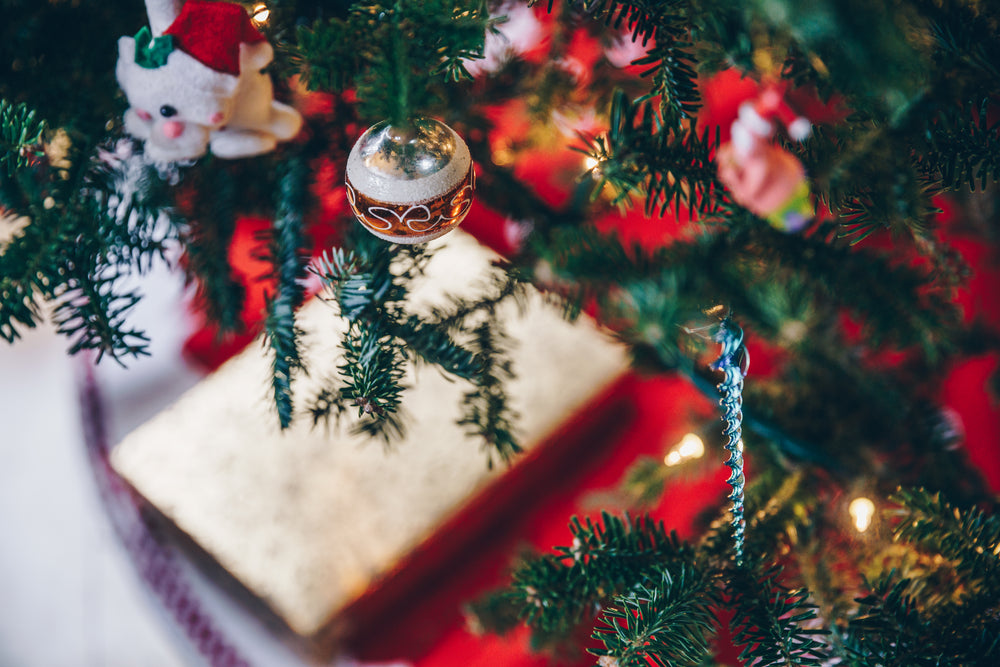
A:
(823, 243)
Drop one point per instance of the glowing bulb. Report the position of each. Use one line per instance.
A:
(690, 447)
(260, 13)
(503, 157)
(862, 510)
(590, 162)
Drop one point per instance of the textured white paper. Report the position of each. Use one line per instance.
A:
(307, 519)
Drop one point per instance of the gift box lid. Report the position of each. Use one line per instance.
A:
(310, 518)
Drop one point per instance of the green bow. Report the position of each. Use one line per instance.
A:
(152, 52)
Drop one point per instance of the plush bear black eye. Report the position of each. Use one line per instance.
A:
(167, 111)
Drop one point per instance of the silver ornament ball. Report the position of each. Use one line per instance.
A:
(410, 183)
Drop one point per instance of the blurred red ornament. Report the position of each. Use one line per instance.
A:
(624, 50)
(521, 32)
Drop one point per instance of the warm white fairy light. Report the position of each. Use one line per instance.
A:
(590, 162)
(260, 13)
(690, 447)
(862, 510)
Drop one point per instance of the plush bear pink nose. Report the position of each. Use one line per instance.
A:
(215, 118)
(173, 129)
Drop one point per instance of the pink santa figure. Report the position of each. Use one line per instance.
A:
(761, 176)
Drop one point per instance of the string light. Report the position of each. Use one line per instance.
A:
(503, 156)
(862, 510)
(260, 13)
(590, 162)
(690, 447)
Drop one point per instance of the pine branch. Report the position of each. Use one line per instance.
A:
(868, 174)
(87, 229)
(649, 296)
(361, 280)
(674, 80)
(94, 313)
(969, 537)
(768, 620)
(876, 67)
(367, 290)
(963, 39)
(557, 592)
(724, 37)
(372, 374)
(893, 631)
(669, 60)
(25, 274)
(656, 292)
(92, 309)
(906, 621)
(462, 37)
(506, 285)
(672, 65)
(492, 612)
(431, 343)
(369, 283)
(206, 239)
(287, 253)
(900, 305)
(393, 53)
(487, 413)
(59, 59)
(953, 618)
(642, 155)
(664, 622)
(908, 207)
(780, 504)
(136, 209)
(325, 57)
(20, 136)
(890, 633)
(964, 149)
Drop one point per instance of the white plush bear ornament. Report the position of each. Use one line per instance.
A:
(194, 81)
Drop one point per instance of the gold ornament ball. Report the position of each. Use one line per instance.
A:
(410, 183)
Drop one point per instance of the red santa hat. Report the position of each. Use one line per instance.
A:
(769, 106)
(211, 32)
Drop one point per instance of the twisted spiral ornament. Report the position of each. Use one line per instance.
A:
(733, 362)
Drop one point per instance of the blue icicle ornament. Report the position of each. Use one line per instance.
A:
(733, 361)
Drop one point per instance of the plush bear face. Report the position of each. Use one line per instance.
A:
(180, 93)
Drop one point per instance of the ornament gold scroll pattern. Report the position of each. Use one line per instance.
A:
(443, 211)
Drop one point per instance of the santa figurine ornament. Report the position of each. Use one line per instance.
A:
(193, 81)
(761, 176)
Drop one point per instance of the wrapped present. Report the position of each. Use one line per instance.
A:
(312, 520)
